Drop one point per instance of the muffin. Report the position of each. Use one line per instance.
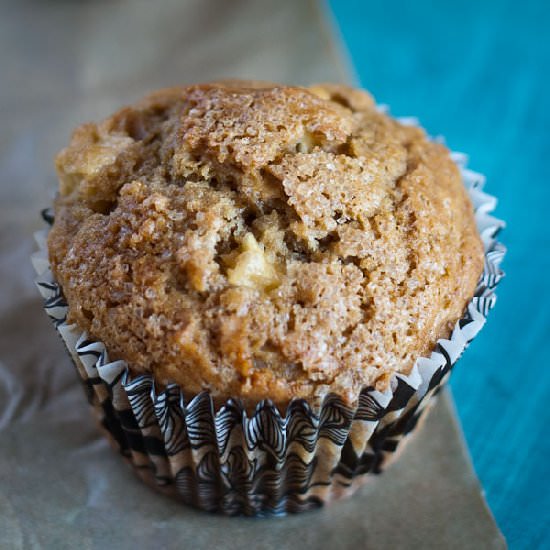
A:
(255, 282)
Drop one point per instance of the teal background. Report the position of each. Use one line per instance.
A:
(477, 72)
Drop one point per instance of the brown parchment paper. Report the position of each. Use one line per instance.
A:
(61, 486)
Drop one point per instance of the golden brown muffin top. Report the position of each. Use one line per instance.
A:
(263, 241)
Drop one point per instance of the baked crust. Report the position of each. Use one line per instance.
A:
(263, 241)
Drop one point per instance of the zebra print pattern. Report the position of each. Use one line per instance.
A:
(223, 460)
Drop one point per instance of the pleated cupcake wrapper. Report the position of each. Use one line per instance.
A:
(223, 460)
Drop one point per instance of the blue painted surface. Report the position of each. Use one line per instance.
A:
(478, 73)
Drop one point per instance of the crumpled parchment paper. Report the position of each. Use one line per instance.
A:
(61, 486)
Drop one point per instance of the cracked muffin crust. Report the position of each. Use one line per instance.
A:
(263, 241)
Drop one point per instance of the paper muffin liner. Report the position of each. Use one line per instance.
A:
(224, 460)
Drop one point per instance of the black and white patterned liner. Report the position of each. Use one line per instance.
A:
(223, 460)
